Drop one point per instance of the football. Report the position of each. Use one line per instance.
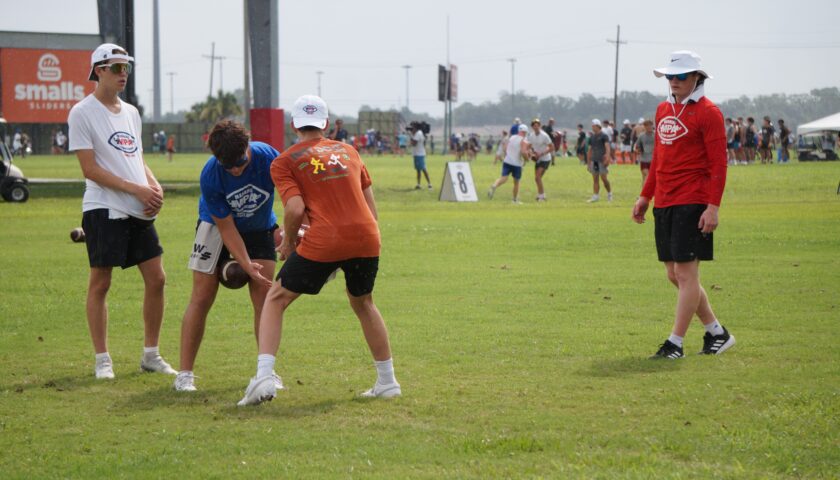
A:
(231, 274)
(77, 235)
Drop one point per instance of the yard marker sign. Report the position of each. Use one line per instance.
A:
(458, 183)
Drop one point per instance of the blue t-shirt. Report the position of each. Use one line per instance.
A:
(248, 197)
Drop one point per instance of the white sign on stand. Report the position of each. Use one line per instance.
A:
(458, 183)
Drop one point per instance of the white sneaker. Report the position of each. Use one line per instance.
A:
(491, 191)
(104, 369)
(278, 382)
(156, 364)
(594, 199)
(184, 382)
(382, 391)
(259, 390)
(609, 196)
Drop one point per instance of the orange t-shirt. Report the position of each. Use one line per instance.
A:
(330, 177)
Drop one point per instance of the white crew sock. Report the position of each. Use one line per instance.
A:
(265, 365)
(101, 357)
(151, 352)
(714, 328)
(676, 340)
(385, 372)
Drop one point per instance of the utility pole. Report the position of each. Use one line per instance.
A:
(407, 68)
(319, 73)
(171, 91)
(617, 43)
(221, 72)
(212, 58)
(512, 90)
(247, 55)
(156, 54)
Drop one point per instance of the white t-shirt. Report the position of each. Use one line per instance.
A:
(419, 149)
(540, 142)
(513, 154)
(117, 146)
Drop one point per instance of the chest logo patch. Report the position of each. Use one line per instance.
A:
(247, 200)
(670, 129)
(123, 142)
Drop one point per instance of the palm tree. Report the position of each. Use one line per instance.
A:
(214, 109)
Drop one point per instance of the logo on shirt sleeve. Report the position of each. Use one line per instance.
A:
(123, 142)
(670, 129)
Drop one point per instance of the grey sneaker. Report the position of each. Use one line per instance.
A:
(259, 390)
(104, 369)
(185, 382)
(491, 191)
(382, 391)
(156, 364)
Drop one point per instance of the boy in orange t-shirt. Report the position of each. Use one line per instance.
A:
(326, 181)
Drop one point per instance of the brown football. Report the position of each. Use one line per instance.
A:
(231, 274)
(77, 235)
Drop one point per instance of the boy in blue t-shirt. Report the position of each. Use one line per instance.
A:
(235, 219)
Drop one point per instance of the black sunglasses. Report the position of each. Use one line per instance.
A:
(242, 161)
(681, 77)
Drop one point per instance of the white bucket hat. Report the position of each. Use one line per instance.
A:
(682, 61)
(310, 110)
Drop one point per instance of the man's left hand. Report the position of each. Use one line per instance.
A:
(709, 220)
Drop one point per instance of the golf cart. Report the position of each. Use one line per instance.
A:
(14, 187)
(816, 146)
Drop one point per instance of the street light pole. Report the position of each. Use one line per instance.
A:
(512, 90)
(407, 68)
(171, 91)
(319, 73)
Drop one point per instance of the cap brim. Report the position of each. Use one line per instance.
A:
(309, 122)
(661, 72)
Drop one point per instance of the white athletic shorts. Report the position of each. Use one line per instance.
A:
(206, 248)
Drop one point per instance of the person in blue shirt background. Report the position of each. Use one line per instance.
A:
(235, 219)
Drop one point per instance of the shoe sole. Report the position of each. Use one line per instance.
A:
(726, 346)
(152, 370)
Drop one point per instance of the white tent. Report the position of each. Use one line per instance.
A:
(831, 123)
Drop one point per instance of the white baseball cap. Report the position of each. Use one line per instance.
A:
(641, 119)
(596, 122)
(310, 110)
(523, 128)
(626, 121)
(103, 53)
(682, 61)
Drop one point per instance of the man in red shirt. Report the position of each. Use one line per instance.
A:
(687, 176)
(326, 181)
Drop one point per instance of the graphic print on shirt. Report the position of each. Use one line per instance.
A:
(123, 142)
(245, 201)
(670, 129)
(323, 169)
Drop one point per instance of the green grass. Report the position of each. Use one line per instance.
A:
(520, 336)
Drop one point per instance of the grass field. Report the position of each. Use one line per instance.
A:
(520, 336)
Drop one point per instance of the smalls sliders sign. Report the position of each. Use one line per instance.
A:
(41, 86)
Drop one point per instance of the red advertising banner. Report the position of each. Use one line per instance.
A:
(40, 86)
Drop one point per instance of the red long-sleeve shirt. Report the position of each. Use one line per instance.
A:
(689, 156)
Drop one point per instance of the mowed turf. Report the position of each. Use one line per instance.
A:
(520, 336)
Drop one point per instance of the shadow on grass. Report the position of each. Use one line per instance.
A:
(68, 383)
(619, 367)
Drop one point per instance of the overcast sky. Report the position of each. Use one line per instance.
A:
(561, 48)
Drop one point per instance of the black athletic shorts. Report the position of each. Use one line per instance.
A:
(119, 243)
(301, 275)
(542, 164)
(677, 237)
(259, 245)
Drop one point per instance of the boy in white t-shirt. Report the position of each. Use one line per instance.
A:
(122, 198)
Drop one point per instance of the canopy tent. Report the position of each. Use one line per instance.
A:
(830, 123)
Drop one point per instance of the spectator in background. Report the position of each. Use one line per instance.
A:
(609, 131)
(338, 132)
(500, 147)
(418, 150)
(626, 136)
(598, 160)
(730, 142)
(784, 142)
(741, 141)
(515, 127)
(541, 151)
(644, 148)
(750, 145)
(402, 142)
(768, 141)
(17, 142)
(170, 147)
(489, 144)
(162, 142)
(581, 144)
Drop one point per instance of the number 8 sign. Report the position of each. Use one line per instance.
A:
(458, 183)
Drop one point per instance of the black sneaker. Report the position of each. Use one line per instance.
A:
(717, 344)
(668, 350)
